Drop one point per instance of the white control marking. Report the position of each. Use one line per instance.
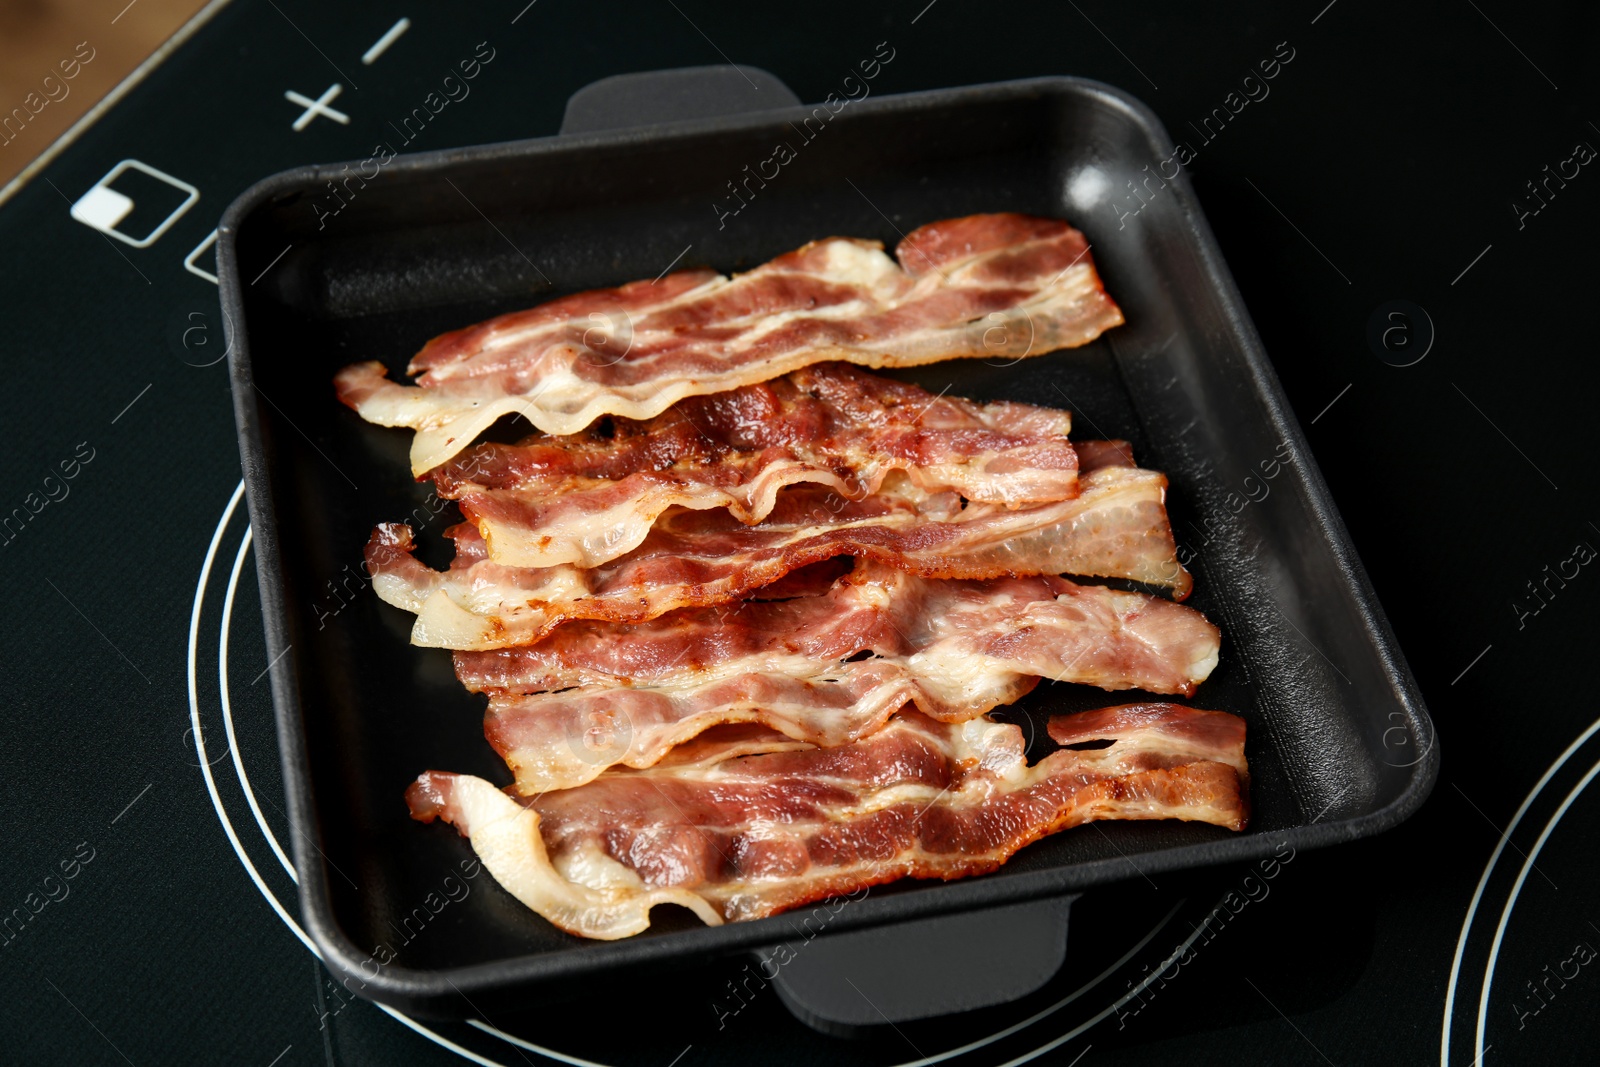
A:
(316, 107)
(382, 45)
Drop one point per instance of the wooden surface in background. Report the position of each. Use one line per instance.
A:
(38, 36)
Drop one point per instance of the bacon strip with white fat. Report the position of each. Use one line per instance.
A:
(1115, 528)
(588, 498)
(1000, 286)
(593, 695)
(733, 834)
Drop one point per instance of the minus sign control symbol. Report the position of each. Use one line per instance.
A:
(381, 45)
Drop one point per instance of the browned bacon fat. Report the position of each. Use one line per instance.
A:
(997, 286)
(737, 833)
(1116, 527)
(590, 497)
(826, 669)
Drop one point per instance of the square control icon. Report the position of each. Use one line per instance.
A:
(135, 203)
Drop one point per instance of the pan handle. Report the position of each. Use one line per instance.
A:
(851, 984)
(652, 97)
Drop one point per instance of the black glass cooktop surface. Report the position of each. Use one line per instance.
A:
(1405, 200)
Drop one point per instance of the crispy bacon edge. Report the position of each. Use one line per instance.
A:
(983, 286)
(591, 497)
(602, 879)
(594, 695)
(1116, 528)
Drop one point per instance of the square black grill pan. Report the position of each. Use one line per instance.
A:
(1340, 745)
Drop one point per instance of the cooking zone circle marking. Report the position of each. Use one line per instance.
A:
(1483, 883)
(1511, 902)
(216, 797)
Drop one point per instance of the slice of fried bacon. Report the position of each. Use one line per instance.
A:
(1115, 528)
(1000, 286)
(588, 498)
(826, 669)
(733, 832)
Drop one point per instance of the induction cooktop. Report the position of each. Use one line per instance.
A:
(1403, 202)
